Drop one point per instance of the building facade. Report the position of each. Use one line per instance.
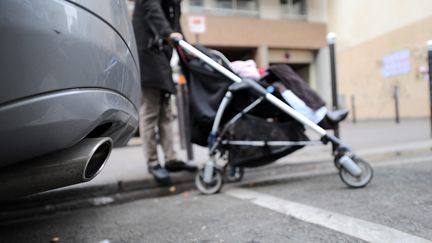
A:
(268, 31)
(382, 56)
(381, 46)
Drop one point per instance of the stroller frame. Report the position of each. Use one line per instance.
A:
(353, 171)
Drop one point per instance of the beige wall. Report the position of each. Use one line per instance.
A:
(317, 10)
(232, 31)
(366, 31)
(357, 21)
(269, 9)
(360, 73)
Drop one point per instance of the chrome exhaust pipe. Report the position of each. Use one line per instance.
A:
(74, 165)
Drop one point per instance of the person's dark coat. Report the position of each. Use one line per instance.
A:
(153, 22)
(297, 85)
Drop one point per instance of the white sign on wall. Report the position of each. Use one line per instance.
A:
(197, 24)
(396, 63)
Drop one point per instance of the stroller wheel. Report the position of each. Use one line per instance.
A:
(209, 188)
(357, 181)
(234, 173)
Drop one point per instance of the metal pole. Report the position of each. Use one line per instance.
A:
(180, 113)
(429, 45)
(396, 99)
(331, 39)
(188, 130)
(354, 119)
(185, 129)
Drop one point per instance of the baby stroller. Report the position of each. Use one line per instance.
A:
(246, 124)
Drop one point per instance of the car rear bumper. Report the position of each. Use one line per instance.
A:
(56, 120)
(67, 72)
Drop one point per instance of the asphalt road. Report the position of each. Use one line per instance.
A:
(396, 206)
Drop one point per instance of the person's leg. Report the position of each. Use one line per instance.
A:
(149, 118)
(166, 133)
(321, 116)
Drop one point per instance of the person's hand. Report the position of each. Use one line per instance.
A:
(176, 36)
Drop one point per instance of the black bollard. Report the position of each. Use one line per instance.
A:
(185, 129)
(331, 39)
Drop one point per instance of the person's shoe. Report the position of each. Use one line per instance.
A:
(337, 115)
(326, 124)
(160, 174)
(178, 165)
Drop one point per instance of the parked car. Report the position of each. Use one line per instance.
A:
(69, 90)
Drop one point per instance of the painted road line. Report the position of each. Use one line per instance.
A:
(357, 228)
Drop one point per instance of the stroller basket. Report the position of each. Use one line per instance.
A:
(251, 128)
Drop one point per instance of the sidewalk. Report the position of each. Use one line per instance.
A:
(126, 169)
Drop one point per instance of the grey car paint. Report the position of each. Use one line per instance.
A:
(109, 12)
(69, 70)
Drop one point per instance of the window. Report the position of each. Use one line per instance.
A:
(196, 3)
(248, 5)
(293, 8)
(226, 7)
(228, 4)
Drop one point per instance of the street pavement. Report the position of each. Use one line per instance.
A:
(125, 175)
(395, 207)
(299, 198)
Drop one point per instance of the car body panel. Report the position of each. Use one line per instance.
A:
(65, 70)
(50, 122)
(60, 46)
(111, 12)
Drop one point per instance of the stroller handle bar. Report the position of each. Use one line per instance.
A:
(261, 90)
(189, 48)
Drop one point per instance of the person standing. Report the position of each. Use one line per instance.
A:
(155, 23)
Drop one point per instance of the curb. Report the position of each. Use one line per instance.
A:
(99, 195)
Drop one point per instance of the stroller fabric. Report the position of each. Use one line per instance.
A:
(207, 88)
(293, 82)
(246, 69)
(251, 128)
